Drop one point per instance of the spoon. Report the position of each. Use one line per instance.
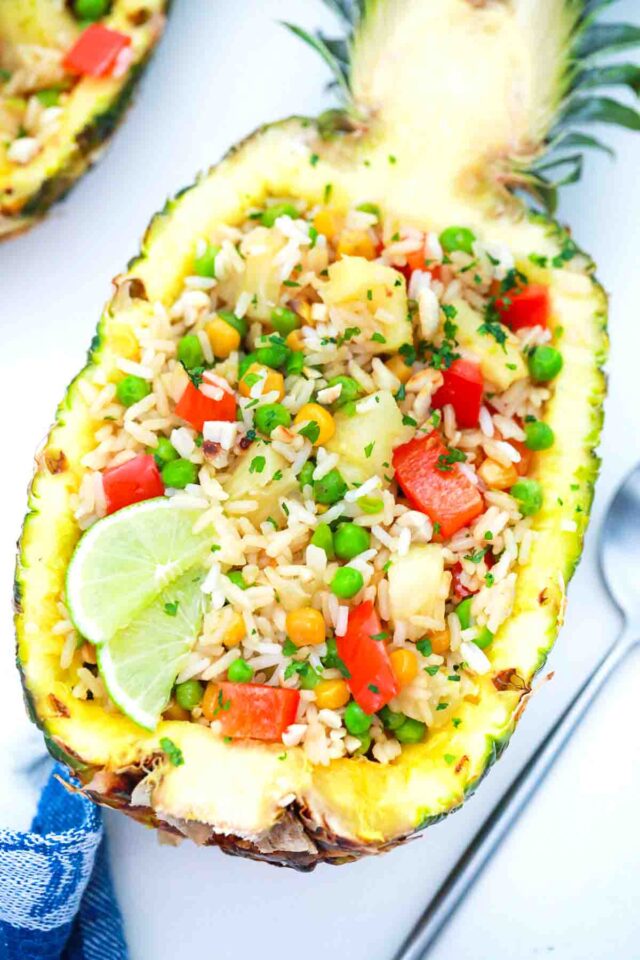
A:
(619, 554)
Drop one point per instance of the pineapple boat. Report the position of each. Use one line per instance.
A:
(299, 539)
(67, 72)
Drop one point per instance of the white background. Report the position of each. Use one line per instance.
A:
(566, 882)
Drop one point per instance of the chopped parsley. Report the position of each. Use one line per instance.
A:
(368, 450)
(446, 461)
(332, 661)
(425, 647)
(257, 465)
(378, 338)
(349, 334)
(173, 752)
(311, 431)
(432, 670)
(289, 648)
(171, 609)
(477, 555)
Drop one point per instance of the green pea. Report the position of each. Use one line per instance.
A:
(270, 416)
(131, 390)
(284, 321)
(275, 355)
(49, 98)
(349, 540)
(178, 473)
(390, 719)
(323, 538)
(305, 477)
(240, 671)
(484, 638)
(190, 352)
(189, 694)
(245, 362)
(356, 720)
(238, 323)
(463, 610)
(90, 9)
(205, 264)
(411, 731)
(372, 208)
(295, 363)
(528, 494)
(545, 363)
(371, 504)
(351, 389)
(165, 452)
(271, 214)
(457, 238)
(365, 743)
(309, 677)
(347, 581)
(237, 579)
(330, 488)
(538, 435)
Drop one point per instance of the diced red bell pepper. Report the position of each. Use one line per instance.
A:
(462, 388)
(460, 591)
(417, 260)
(95, 52)
(137, 479)
(436, 486)
(527, 306)
(196, 409)
(254, 710)
(372, 681)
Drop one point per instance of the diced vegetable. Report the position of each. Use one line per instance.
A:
(404, 664)
(264, 481)
(545, 363)
(305, 627)
(415, 581)
(371, 679)
(96, 51)
(346, 582)
(364, 442)
(321, 424)
(137, 479)
(196, 409)
(382, 289)
(433, 482)
(462, 388)
(527, 306)
(331, 694)
(497, 349)
(251, 709)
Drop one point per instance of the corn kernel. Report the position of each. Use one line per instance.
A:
(304, 312)
(123, 341)
(356, 243)
(404, 664)
(305, 627)
(317, 414)
(224, 338)
(274, 381)
(398, 368)
(235, 632)
(328, 222)
(332, 694)
(294, 341)
(496, 476)
(440, 641)
(209, 704)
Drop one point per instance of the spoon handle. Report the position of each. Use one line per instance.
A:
(512, 803)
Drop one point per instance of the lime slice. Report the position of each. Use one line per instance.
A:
(124, 561)
(140, 663)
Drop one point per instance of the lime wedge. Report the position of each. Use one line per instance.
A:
(140, 663)
(124, 561)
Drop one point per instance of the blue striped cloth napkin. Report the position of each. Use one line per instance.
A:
(56, 896)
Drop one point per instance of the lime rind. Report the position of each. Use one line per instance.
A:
(139, 664)
(123, 562)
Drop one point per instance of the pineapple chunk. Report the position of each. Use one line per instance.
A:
(416, 582)
(260, 278)
(375, 297)
(247, 484)
(364, 442)
(501, 364)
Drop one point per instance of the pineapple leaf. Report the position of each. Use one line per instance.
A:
(602, 110)
(583, 141)
(604, 37)
(614, 75)
(338, 66)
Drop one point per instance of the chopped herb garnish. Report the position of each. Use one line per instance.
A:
(378, 338)
(476, 555)
(173, 752)
(349, 334)
(456, 721)
(425, 647)
(332, 661)
(446, 460)
(449, 758)
(313, 159)
(310, 430)
(442, 705)
(379, 636)
(289, 648)
(171, 609)
(432, 670)
(409, 421)
(328, 190)
(257, 465)
(368, 450)
(373, 688)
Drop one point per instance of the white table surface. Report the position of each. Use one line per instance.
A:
(566, 882)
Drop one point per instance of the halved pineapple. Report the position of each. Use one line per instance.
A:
(449, 104)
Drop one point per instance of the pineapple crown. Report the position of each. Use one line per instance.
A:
(585, 76)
